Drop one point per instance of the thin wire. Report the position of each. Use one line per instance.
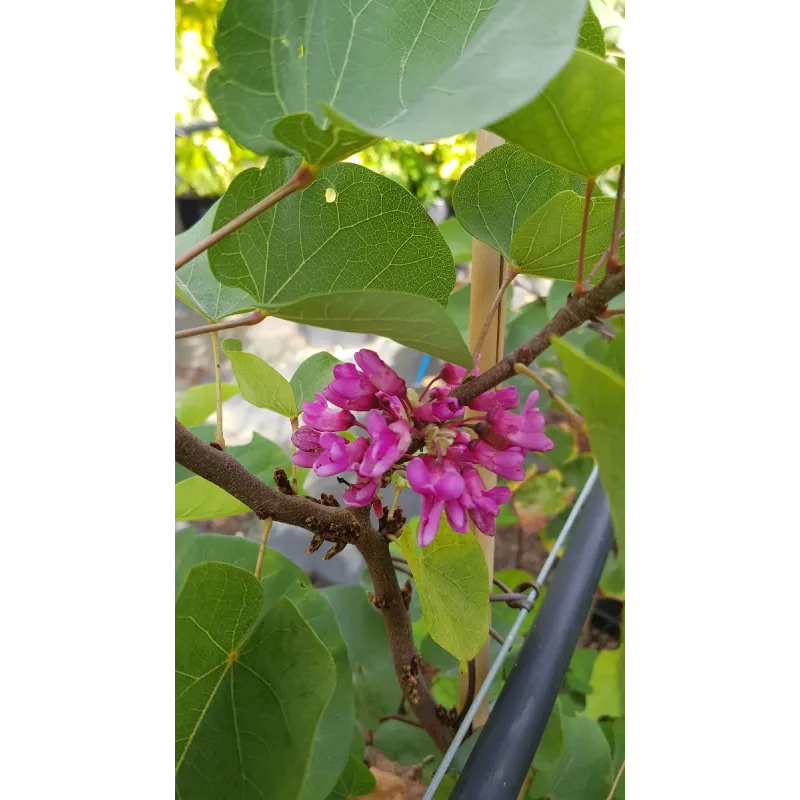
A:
(512, 634)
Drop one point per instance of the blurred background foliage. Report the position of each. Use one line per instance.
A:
(206, 161)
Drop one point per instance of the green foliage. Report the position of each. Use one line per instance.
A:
(355, 781)
(404, 743)
(565, 445)
(196, 498)
(312, 376)
(261, 384)
(551, 744)
(192, 548)
(578, 121)
(503, 189)
(452, 579)
(608, 685)
(233, 680)
(405, 70)
(410, 319)
(590, 37)
(198, 402)
(458, 240)
(530, 319)
(548, 242)
(600, 394)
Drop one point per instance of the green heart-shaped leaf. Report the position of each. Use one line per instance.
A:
(590, 36)
(312, 376)
(200, 401)
(260, 384)
(235, 680)
(458, 240)
(453, 583)
(578, 121)
(197, 287)
(351, 230)
(502, 189)
(412, 69)
(548, 242)
(410, 319)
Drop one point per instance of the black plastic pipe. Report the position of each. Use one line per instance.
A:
(499, 762)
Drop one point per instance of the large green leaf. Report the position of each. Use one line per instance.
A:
(578, 121)
(453, 583)
(551, 745)
(355, 781)
(374, 681)
(312, 376)
(615, 354)
(200, 401)
(502, 189)
(600, 396)
(234, 682)
(458, 240)
(260, 384)
(410, 319)
(194, 283)
(351, 230)
(583, 772)
(531, 319)
(608, 685)
(548, 242)
(411, 69)
(280, 577)
(196, 498)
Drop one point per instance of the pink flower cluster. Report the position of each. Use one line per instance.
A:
(427, 439)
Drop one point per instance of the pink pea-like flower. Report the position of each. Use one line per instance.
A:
(523, 430)
(389, 442)
(350, 389)
(496, 398)
(483, 504)
(439, 408)
(339, 455)
(317, 414)
(382, 376)
(441, 486)
(361, 493)
(506, 463)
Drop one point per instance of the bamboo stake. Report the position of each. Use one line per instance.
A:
(489, 270)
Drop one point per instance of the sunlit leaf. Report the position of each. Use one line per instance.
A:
(608, 685)
(312, 376)
(578, 121)
(198, 402)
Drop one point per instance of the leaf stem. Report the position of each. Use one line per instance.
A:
(294, 422)
(599, 263)
(267, 527)
(587, 204)
(575, 419)
(616, 781)
(403, 718)
(300, 180)
(398, 490)
(253, 319)
(511, 274)
(616, 233)
(219, 438)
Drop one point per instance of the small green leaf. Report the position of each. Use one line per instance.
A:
(300, 134)
(375, 235)
(376, 689)
(608, 685)
(234, 681)
(600, 396)
(566, 446)
(531, 319)
(458, 240)
(502, 189)
(312, 376)
(612, 581)
(409, 70)
(196, 498)
(260, 384)
(551, 744)
(548, 242)
(578, 121)
(198, 402)
(544, 492)
(404, 743)
(583, 772)
(192, 548)
(615, 354)
(453, 583)
(590, 37)
(355, 781)
(196, 286)
(411, 320)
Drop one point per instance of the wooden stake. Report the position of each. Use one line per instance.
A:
(489, 270)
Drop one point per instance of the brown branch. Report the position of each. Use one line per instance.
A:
(577, 311)
(343, 524)
(303, 177)
(239, 322)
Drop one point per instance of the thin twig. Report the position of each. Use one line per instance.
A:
(512, 273)
(294, 422)
(597, 264)
(577, 422)
(267, 527)
(587, 204)
(500, 585)
(402, 718)
(398, 489)
(300, 180)
(470, 693)
(616, 233)
(239, 322)
(496, 636)
(616, 781)
(404, 569)
(612, 312)
(219, 437)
